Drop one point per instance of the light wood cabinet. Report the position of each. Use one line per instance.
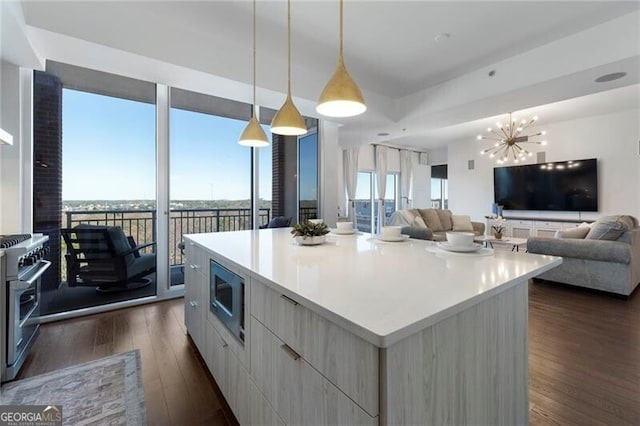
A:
(298, 393)
(346, 360)
(260, 411)
(196, 304)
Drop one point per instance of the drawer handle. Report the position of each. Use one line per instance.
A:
(224, 344)
(290, 300)
(192, 266)
(193, 304)
(293, 354)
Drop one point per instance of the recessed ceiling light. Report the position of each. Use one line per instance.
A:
(492, 73)
(442, 37)
(610, 77)
(383, 134)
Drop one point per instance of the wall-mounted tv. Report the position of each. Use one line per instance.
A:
(566, 186)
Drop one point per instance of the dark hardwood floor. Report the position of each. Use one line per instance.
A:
(584, 357)
(584, 362)
(178, 388)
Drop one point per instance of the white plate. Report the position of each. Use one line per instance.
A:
(459, 249)
(399, 239)
(341, 232)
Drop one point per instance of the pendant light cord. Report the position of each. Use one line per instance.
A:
(254, 59)
(289, 47)
(341, 58)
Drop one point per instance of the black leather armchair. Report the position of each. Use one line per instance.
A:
(104, 257)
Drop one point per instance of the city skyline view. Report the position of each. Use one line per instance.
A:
(109, 152)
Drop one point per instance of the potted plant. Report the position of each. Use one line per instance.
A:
(499, 226)
(309, 233)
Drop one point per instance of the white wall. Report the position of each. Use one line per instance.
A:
(612, 138)
(16, 159)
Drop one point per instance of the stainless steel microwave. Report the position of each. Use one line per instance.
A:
(226, 294)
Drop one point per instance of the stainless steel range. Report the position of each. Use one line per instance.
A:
(23, 266)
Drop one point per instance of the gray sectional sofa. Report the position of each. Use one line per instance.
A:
(603, 256)
(433, 224)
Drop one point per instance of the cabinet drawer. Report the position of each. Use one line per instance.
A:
(196, 257)
(346, 360)
(260, 411)
(521, 223)
(235, 345)
(298, 393)
(232, 378)
(548, 225)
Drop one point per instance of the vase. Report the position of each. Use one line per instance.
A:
(498, 235)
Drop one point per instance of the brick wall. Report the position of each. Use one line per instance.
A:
(278, 171)
(47, 171)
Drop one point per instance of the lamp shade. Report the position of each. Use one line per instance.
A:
(288, 120)
(341, 96)
(253, 135)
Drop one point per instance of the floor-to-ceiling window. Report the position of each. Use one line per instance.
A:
(308, 177)
(367, 199)
(211, 188)
(439, 187)
(108, 178)
(110, 167)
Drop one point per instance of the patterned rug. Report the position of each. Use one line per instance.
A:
(105, 391)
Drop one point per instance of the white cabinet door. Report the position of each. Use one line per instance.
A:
(343, 358)
(298, 393)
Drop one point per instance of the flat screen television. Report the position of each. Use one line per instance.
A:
(566, 186)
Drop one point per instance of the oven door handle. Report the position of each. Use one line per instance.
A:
(23, 285)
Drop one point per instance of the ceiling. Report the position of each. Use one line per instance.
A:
(389, 46)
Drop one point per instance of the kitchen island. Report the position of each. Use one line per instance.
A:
(357, 331)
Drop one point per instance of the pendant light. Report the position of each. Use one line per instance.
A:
(288, 120)
(341, 96)
(253, 135)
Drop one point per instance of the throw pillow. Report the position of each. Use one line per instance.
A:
(579, 232)
(407, 215)
(431, 219)
(607, 228)
(445, 219)
(418, 222)
(462, 222)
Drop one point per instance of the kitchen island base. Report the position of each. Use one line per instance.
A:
(311, 358)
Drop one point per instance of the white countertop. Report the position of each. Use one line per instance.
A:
(382, 292)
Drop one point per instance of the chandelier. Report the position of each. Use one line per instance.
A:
(509, 138)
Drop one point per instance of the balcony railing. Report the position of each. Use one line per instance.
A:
(141, 224)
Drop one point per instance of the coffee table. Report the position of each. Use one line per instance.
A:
(515, 243)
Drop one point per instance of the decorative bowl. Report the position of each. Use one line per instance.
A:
(310, 241)
(460, 239)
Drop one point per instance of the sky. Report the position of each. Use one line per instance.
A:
(109, 152)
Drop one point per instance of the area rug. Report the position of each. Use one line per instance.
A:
(105, 391)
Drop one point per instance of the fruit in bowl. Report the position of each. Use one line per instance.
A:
(460, 239)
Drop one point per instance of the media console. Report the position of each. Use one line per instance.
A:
(525, 227)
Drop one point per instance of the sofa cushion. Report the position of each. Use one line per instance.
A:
(408, 215)
(610, 228)
(462, 222)
(440, 236)
(431, 219)
(418, 222)
(579, 232)
(604, 251)
(445, 219)
(419, 233)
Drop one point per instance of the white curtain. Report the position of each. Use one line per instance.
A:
(406, 178)
(350, 173)
(381, 180)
